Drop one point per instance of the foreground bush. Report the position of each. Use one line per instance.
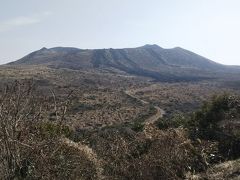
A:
(218, 120)
(126, 154)
(31, 146)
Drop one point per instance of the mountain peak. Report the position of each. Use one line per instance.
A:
(43, 49)
(177, 47)
(151, 46)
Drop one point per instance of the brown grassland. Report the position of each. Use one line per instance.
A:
(76, 124)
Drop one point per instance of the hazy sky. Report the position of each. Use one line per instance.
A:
(208, 27)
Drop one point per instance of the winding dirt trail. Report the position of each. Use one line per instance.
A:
(159, 112)
(149, 126)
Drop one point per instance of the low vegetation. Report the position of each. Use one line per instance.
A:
(215, 130)
(34, 146)
(42, 135)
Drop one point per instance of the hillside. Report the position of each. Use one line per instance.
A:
(161, 64)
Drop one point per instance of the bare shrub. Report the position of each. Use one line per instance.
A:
(31, 145)
(17, 109)
(130, 155)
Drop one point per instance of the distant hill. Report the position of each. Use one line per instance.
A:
(161, 64)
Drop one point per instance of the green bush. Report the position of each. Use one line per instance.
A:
(138, 126)
(49, 129)
(214, 121)
(211, 122)
(204, 123)
(179, 120)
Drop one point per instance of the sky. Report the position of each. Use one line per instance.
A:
(210, 28)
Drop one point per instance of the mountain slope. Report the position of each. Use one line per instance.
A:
(149, 60)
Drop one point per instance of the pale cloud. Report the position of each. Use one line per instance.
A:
(23, 21)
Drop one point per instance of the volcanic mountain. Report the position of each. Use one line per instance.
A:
(161, 64)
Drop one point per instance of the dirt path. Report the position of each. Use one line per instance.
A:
(92, 156)
(90, 152)
(159, 112)
(148, 123)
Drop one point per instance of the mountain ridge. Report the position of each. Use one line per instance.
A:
(148, 60)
